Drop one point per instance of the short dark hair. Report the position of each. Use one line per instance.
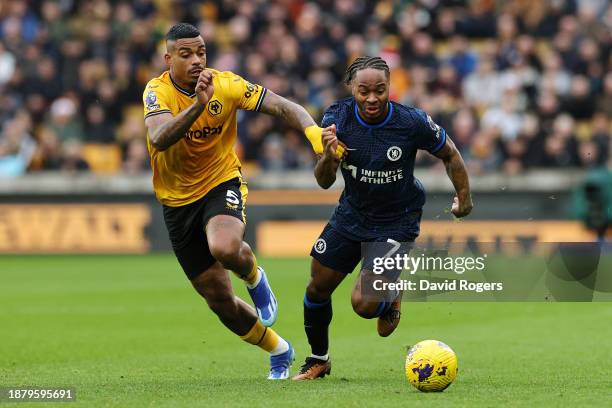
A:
(363, 63)
(182, 30)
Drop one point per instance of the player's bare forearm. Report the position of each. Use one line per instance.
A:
(458, 175)
(165, 130)
(328, 162)
(325, 171)
(292, 113)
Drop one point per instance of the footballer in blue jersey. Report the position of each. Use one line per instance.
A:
(382, 200)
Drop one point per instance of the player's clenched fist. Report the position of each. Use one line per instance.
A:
(204, 87)
(333, 148)
(461, 208)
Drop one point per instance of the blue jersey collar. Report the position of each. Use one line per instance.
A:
(377, 125)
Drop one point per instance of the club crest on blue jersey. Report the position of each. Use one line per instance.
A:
(394, 153)
(320, 246)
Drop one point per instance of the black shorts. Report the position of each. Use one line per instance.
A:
(187, 224)
(339, 252)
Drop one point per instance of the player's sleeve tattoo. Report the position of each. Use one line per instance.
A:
(165, 130)
(295, 115)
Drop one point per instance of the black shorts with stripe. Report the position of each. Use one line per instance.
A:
(187, 224)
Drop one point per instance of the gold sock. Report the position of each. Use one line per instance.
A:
(252, 277)
(261, 336)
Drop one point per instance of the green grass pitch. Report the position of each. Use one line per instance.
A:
(128, 331)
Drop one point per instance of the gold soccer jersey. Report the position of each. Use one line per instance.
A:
(205, 156)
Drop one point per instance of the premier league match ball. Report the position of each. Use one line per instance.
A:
(431, 366)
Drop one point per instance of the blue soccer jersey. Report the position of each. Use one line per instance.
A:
(381, 193)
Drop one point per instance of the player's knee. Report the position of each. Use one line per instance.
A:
(226, 251)
(317, 293)
(364, 309)
(224, 306)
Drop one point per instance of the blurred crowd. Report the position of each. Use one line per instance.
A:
(518, 84)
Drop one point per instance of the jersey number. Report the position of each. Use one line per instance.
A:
(395, 246)
(350, 168)
(232, 198)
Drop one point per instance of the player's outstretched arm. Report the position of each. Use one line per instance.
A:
(297, 117)
(327, 165)
(165, 129)
(457, 173)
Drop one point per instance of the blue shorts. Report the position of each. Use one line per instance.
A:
(341, 252)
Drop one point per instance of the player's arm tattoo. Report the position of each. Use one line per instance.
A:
(165, 129)
(456, 170)
(325, 171)
(295, 115)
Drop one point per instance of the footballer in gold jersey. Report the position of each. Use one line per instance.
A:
(204, 157)
(190, 116)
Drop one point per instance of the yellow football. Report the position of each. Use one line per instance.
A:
(431, 366)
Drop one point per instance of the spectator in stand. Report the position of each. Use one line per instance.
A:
(483, 87)
(604, 101)
(137, 158)
(64, 121)
(97, 128)
(462, 59)
(72, 158)
(7, 64)
(16, 145)
(580, 102)
(601, 137)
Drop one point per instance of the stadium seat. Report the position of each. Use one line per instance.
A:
(102, 158)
